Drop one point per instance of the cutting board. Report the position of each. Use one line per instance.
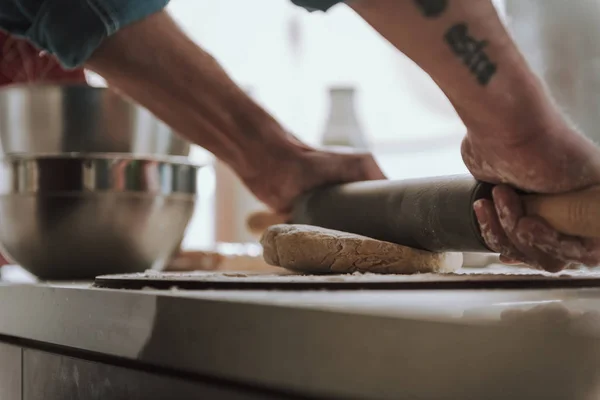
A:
(493, 277)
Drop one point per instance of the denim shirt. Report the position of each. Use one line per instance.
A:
(72, 30)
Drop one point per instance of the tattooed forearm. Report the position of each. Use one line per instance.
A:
(461, 43)
(471, 52)
(432, 8)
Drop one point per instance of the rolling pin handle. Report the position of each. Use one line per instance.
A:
(575, 213)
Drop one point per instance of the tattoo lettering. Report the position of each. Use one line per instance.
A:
(471, 52)
(432, 8)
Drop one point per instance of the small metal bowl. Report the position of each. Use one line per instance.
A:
(73, 217)
(50, 118)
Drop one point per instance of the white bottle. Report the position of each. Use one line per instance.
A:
(343, 129)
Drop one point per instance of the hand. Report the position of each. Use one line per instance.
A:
(307, 169)
(549, 158)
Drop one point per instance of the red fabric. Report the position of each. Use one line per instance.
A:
(22, 62)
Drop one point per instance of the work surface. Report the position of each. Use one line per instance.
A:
(448, 344)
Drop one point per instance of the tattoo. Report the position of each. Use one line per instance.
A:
(462, 44)
(432, 8)
(471, 52)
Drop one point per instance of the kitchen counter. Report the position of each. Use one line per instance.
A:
(74, 341)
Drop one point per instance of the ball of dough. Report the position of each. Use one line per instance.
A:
(310, 249)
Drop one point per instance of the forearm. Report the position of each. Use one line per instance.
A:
(464, 47)
(155, 63)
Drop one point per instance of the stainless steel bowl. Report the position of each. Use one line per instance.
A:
(75, 217)
(51, 119)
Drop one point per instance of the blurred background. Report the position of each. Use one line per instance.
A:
(289, 61)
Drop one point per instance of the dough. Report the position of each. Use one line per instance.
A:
(309, 249)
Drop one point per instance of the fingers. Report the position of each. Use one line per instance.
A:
(341, 167)
(492, 232)
(520, 238)
(509, 261)
(568, 248)
(361, 167)
(510, 212)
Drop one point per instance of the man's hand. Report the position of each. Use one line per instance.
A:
(547, 161)
(516, 136)
(307, 169)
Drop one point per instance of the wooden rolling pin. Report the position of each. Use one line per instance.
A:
(434, 214)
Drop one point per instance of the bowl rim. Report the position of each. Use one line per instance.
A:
(33, 86)
(23, 174)
(83, 156)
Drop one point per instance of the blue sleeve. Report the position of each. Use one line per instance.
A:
(72, 29)
(317, 5)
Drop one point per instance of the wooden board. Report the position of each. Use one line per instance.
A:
(493, 277)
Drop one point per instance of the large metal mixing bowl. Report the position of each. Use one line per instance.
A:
(75, 217)
(51, 119)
